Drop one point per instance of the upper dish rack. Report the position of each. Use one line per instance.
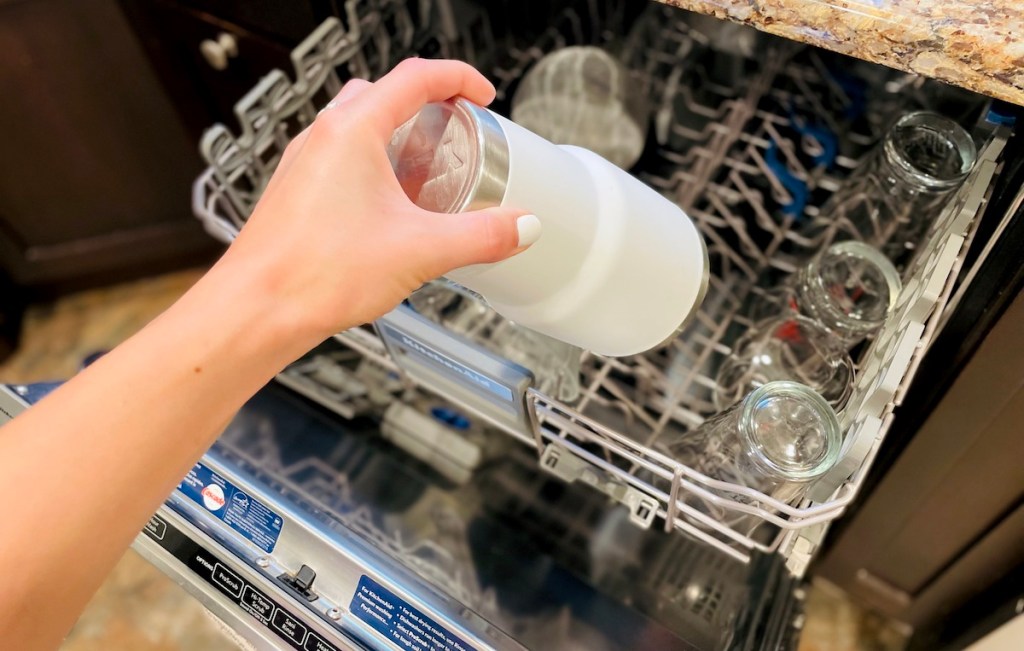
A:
(748, 146)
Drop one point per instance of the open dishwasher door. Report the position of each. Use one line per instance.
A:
(302, 531)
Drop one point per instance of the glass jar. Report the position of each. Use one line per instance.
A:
(892, 199)
(850, 290)
(791, 347)
(583, 96)
(554, 363)
(776, 440)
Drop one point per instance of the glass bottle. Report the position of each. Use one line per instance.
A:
(892, 199)
(790, 347)
(776, 440)
(850, 290)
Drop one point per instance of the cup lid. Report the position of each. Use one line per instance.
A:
(451, 157)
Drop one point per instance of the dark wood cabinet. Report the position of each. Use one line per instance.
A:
(287, 22)
(947, 519)
(96, 163)
(104, 103)
(207, 61)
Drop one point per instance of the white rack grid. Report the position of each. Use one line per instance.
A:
(746, 161)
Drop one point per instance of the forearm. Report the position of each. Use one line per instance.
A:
(82, 471)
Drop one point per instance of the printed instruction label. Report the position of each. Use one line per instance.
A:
(249, 517)
(401, 623)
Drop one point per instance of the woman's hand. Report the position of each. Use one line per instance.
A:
(334, 241)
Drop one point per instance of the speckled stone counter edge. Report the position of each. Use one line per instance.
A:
(979, 46)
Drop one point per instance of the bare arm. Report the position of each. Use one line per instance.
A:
(333, 243)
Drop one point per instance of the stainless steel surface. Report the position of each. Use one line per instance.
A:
(256, 634)
(451, 157)
(340, 556)
(479, 559)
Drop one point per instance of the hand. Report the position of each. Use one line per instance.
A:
(334, 240)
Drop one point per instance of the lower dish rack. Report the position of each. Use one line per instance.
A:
(748, 143)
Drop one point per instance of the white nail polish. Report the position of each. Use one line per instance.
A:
(529, 228)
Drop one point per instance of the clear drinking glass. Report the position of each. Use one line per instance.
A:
(454, 307)
(850, 290)
(776, 440)
(555, 364)
(583, 96)
(791, 347)
(893, 198)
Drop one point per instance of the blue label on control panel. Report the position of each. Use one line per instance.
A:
(402, 624)
(240, 511)
(445, 364)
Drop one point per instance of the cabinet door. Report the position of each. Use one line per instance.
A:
(96, 164)
(207, 62)
(289, 21)
(947, 519)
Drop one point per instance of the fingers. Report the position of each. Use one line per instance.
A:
(398, 95)
(489, 235)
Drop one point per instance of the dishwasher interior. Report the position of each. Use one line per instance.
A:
(562, 522)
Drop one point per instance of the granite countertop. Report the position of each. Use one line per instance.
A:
(977, 45)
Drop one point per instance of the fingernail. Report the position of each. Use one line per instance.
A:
(529, 229)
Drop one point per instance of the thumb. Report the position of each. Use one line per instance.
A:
(488, 235)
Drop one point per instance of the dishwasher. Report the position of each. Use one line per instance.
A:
(405, 487)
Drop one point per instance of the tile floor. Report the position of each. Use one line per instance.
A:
(139, 609)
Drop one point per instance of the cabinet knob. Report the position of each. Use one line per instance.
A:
(217, 53)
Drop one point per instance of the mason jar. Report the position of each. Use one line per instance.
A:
(777, 440)
(850, 290)
(892, 199)
(788, 347)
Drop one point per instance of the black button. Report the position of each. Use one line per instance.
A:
(291, 628)
(228, 580)
(257, 603)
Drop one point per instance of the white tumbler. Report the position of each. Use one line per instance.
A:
(618, 269)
